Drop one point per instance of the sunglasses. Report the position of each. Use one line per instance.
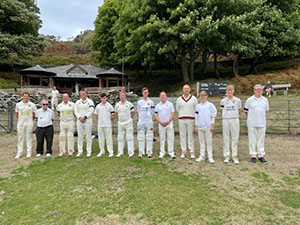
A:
(45, 104)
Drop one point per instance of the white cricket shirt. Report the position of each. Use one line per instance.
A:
(164, 111)
(256, 108)
(66, 111)
(230, 107)
(124, 111)
(25, 112)
(104, 112)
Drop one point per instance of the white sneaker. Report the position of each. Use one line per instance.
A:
(226, 160)
(38, 155)
(18, 155)
(130, 155)
(236, 161)
(110, 155)
(78, 154)
(88, 154)
(173, 156)
(28, 155)
(100, 154)
(192, 155)
(211, 161)
(149, 155)
(161, 156)
(200, 159)
(61, 154)
(119, 155)
(140, 155)
(48, 155)
(183, 155)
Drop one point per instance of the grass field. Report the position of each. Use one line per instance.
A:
(152, 191)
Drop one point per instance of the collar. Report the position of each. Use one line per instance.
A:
(186, 100)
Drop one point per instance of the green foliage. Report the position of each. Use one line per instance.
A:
(19, 25)
(144, 33)
(60, 60)
(8, 84)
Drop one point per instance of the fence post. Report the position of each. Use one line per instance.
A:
(198, 89)
(10, 110)
(289, 117)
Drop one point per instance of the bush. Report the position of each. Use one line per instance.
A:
(8, 84)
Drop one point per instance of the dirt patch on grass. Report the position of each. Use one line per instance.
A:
(113, 219)
(8, 150)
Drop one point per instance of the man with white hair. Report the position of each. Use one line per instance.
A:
(67, 125)
(164, 114)
(145, 110)
(124, 110)
(84, 109)
(255, 109)
(54, 98)
(185, 106)
(44, 130)
(25, 113)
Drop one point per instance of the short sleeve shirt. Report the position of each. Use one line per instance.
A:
(230, 107)
(44, 117)
(66, 111)
(25, 112)
(164, 110)
(256, 108)
(104, 112)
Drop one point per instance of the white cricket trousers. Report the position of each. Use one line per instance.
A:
(205, 139)
(105, 135)
(186, 126)
(54, 103)
(25, 132)
(231, 129)
(256, 137)
(66, 136)
(169, 131)
(125, 127)
(84, 129)
(145, 132)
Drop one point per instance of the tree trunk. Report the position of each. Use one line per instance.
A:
(216, 65)
(236, 64)
(185, 71)
(191, 70)
(205, 55)
(252, 69)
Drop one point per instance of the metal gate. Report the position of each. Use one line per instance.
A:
(7, 119)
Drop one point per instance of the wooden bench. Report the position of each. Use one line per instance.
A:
(280, 86)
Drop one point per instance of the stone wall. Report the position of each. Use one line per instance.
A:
(113, 97)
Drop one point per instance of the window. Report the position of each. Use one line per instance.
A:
(45, 82)
(112, 83)
(34, 81)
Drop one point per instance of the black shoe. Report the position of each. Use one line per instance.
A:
(262, 159)
(253, 160)
(174, 157)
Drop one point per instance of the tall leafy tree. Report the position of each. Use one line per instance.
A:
(19, 25)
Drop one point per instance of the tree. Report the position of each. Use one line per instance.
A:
(19, 25)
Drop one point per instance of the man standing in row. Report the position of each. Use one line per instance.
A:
(105, 113)
(124, 110)
(185, 106)
(145, 109)
(84, 109)
(67, 125)
(44, 130)
(25, 113)
(255, 109)
(164, 114)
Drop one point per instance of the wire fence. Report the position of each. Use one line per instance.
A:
(282, 118)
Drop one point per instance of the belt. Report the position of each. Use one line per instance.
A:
(45, 127)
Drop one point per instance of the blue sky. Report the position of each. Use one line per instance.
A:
(66, 18)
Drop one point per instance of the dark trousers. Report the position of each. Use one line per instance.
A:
(43, 133)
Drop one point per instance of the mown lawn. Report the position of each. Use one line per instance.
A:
(151, 191)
